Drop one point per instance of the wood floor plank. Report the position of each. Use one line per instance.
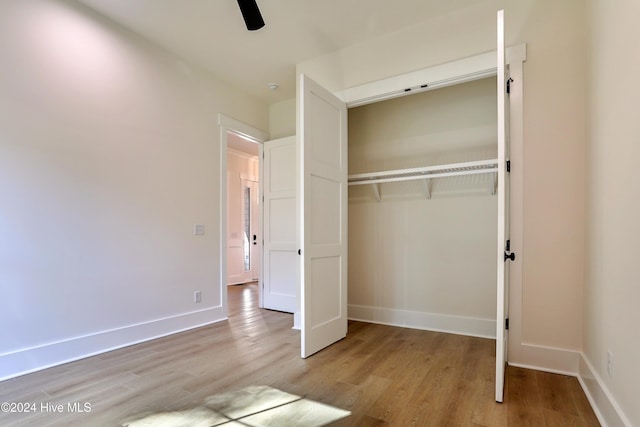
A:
(525, 402)
(383, 375)
(487, 412)
(555, 394)
(585, 412)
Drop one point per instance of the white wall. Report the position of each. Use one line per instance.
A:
(552, 250)
(282, 119)
(613, 212)
(239, 166)
(109, 154)
(413, 261)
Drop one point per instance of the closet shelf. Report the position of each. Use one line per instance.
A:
(428, 172)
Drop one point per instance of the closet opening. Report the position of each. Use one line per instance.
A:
(422, 210)
(396, 229)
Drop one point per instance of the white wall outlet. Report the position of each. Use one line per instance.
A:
(198, 229)
(610, 363)
(197, 296)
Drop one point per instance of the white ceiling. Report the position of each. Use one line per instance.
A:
(212, 34)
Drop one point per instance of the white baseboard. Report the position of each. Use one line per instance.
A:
(297, 321)
(602, 401)
(546, 359)
(542, 369)
(33, 359)
(460, 325)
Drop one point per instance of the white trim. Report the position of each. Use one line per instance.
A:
(543, 369)
(261, 213)
(451, 73)
(516, 57)
(244, 130)
(484, 328)
(604, 405)
(297, 322)
(544, 358)
(229, 124)
(44, 356)
(516, 53)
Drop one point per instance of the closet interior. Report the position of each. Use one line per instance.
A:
(423, 211)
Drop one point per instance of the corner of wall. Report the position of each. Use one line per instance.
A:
(602, 401)
(282, 119)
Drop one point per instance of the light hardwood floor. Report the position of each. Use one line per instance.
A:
(383, 375)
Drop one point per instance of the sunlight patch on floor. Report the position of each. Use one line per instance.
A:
(252, 406)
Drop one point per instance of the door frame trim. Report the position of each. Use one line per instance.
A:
(230, 125)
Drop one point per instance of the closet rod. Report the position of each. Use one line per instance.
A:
(439, 171)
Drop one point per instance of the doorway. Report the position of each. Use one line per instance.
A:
(244, 231)
(250, 138)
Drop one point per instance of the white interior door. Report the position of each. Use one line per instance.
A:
(256, 232)
(280, 271)
(322, 129)
(239, 259)
(503, 252)
(250, 222)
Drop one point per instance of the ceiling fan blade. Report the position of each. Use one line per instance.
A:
(251, 14)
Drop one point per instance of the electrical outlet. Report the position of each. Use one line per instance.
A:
(610, 363)
(197, 296)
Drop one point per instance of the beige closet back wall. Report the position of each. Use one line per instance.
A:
(416, 261)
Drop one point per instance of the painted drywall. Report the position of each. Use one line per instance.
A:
(240, 166)
(414, 256)
(613, 209)
(282, 119)
(552, 250)
(109, 154)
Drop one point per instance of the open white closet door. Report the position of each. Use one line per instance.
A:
(322, 210)
(504, 254)
(280, 273)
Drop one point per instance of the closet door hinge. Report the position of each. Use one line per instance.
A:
(509, 80)
(508, 165)
(507, 252)
(506, 323)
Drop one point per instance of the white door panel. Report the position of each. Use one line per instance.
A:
(503, 216)
(325, 207)
(282, 229)
(280, 271)
(322, 216)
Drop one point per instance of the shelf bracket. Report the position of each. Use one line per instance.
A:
(494, 187)
(427, 187)
(376, 190)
